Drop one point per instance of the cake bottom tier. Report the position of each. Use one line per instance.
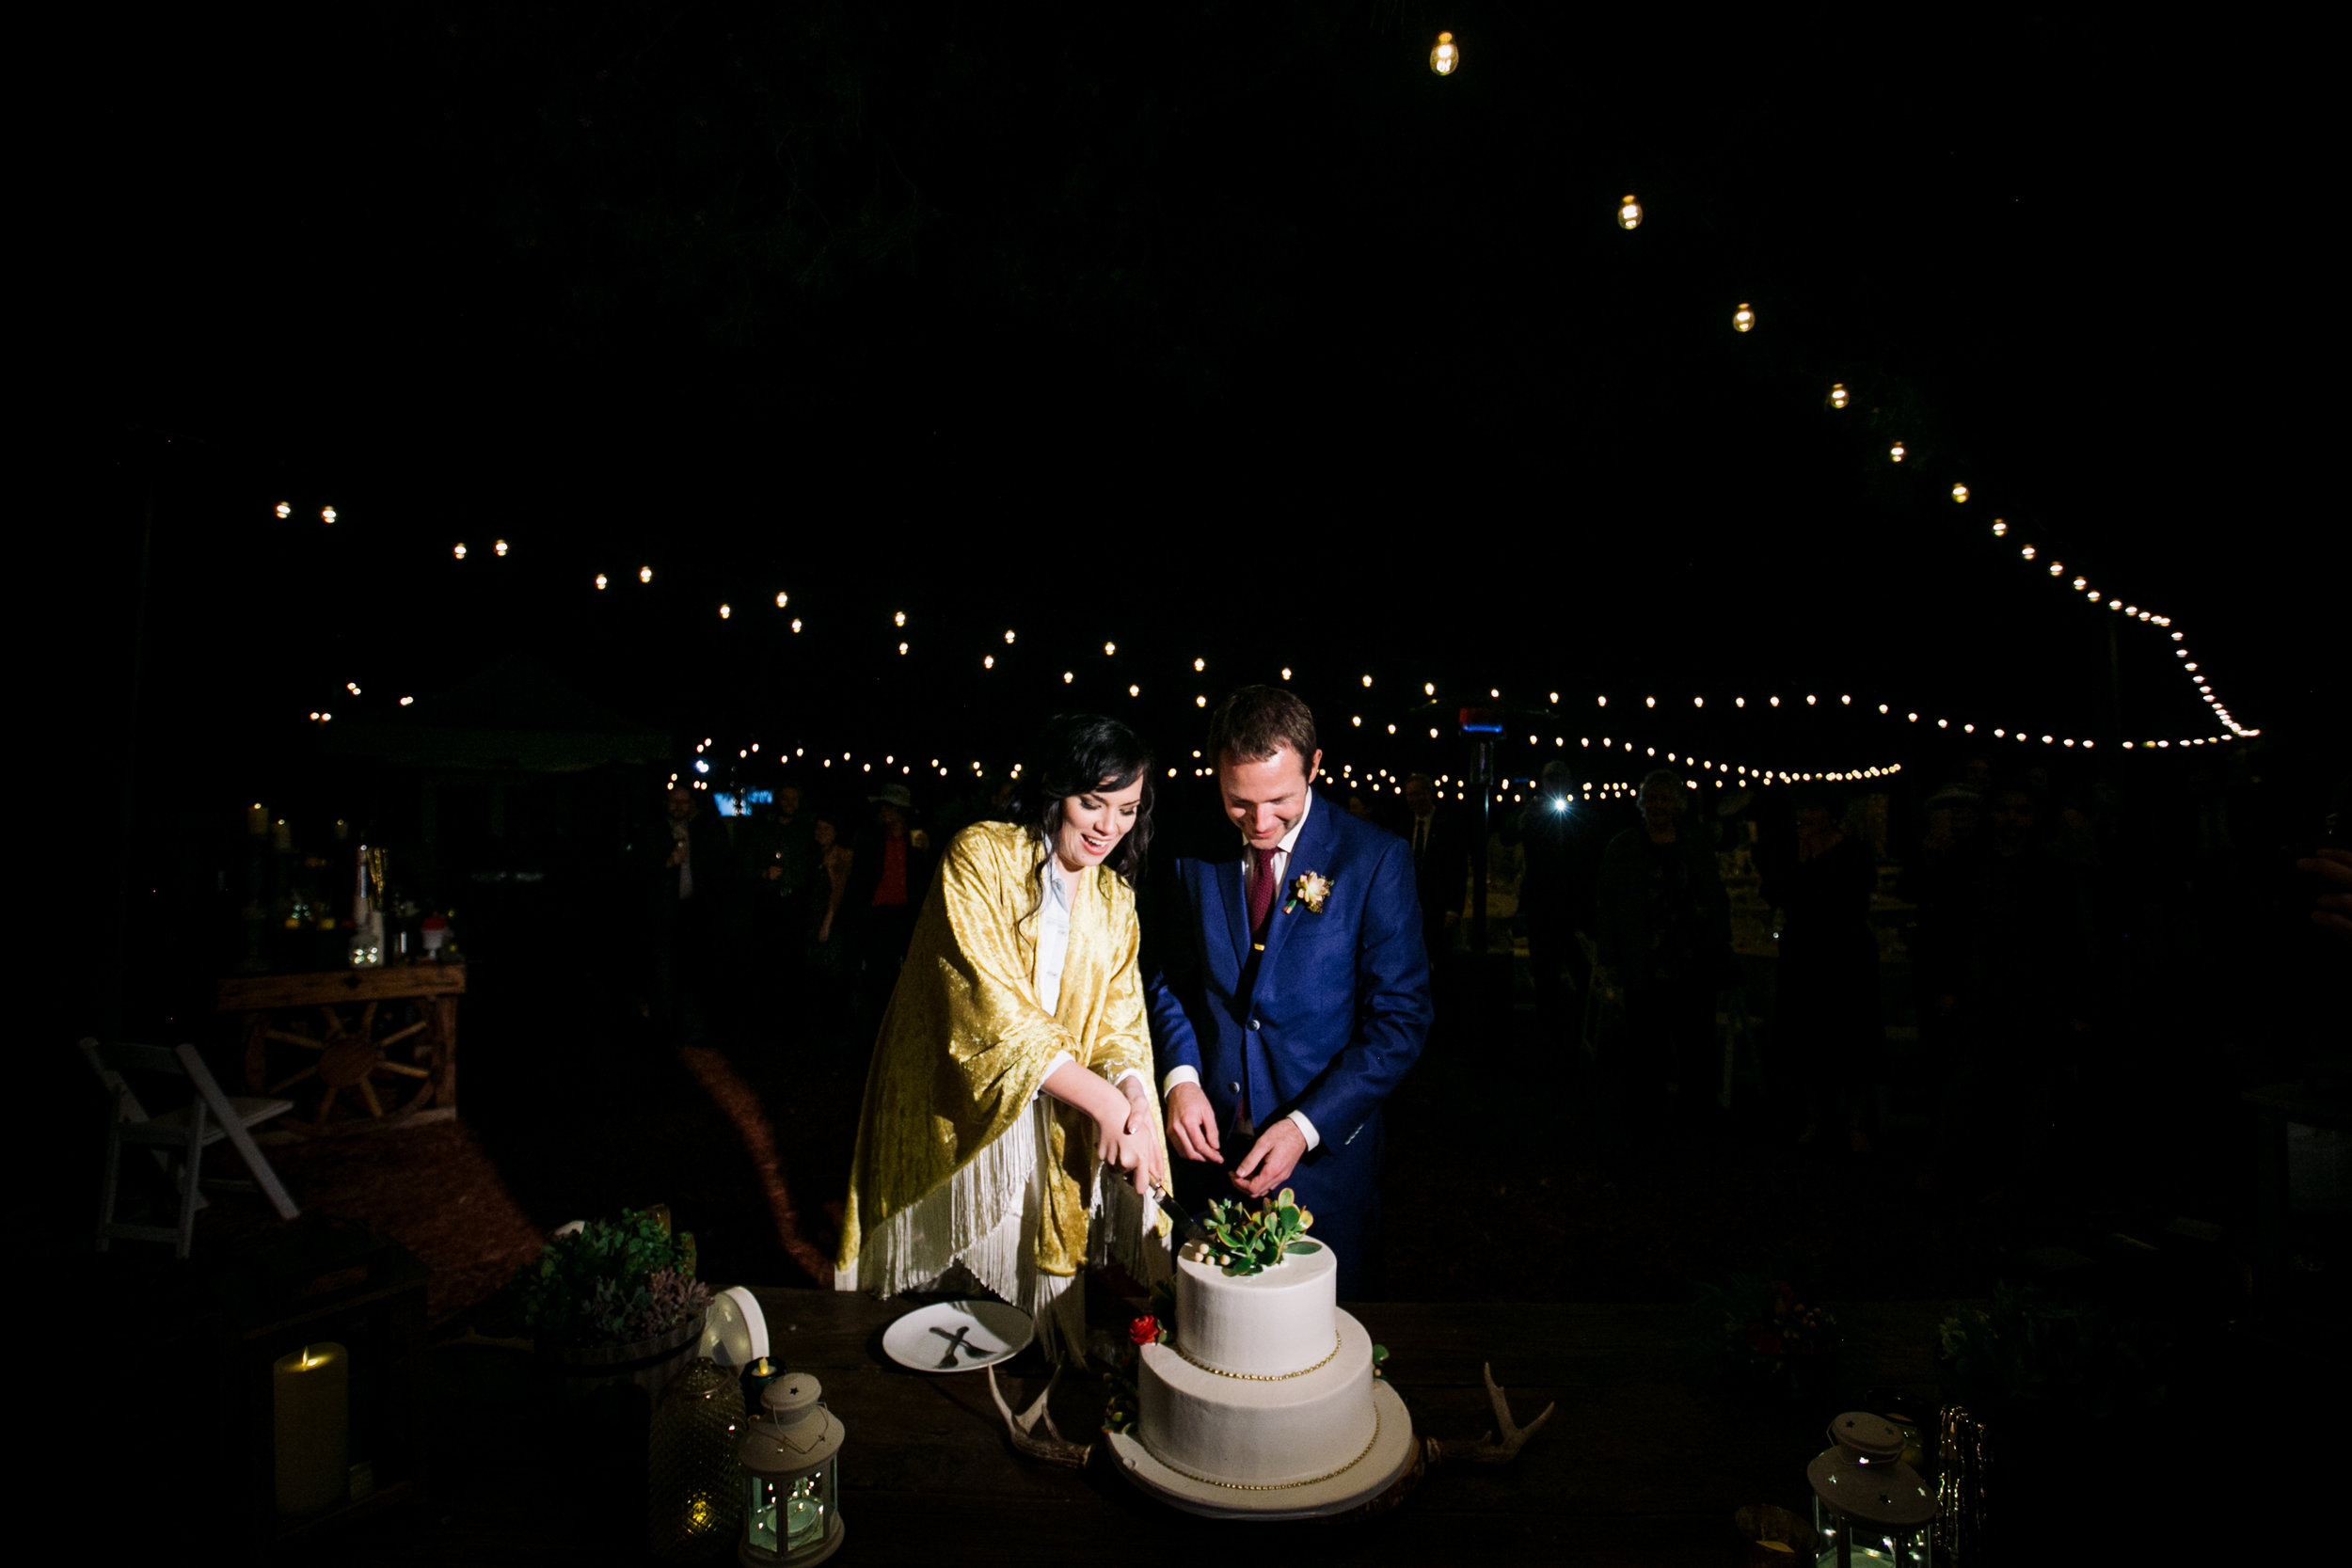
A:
(1258, 1433)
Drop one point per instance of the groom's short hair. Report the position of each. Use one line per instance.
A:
(1258, 721)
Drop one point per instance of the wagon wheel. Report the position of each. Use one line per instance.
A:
(386, 1063)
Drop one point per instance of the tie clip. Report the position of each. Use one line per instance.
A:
(1259, 945)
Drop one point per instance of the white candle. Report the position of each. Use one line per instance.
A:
(310, 1395)
(257, 820)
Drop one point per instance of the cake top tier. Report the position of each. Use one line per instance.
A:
(1274, 1324)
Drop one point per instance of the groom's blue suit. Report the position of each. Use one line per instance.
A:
(1324, 1022)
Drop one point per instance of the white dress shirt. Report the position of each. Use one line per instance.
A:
(1280, 871)
(1053, 951)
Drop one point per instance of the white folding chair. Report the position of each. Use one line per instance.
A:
(184, 1132)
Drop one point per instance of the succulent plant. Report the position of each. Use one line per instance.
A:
(1244, 1241)
(612, 1281)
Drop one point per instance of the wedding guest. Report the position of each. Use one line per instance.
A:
(827, 961)
(1010, 1131)
(1440, 862)
(890, 872)
(1552, 833)
(1826, 1021)
(689, 874)
(2019, 979)
(1665, 938)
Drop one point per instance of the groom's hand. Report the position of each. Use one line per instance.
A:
(1271, 1158)
(1193, 1124)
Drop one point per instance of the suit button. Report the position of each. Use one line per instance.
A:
(1253, 1023)
(1232, 1088)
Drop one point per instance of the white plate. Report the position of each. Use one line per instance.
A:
(957, 1335)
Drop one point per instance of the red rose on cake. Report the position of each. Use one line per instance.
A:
(1145, 1330)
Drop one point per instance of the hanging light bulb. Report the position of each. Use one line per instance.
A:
(725, 611)
(1286, 671)
(1109, 648)
(1629, 212)
(1838, 396)
(1068, 676)
(326, 514)
(988, 661)
(796, 624)
(2026, 553)
(1959, 493)
(1007, 637)
(1201, 664)
(1744, 318)
(903, 650)
(498, 547)
(2001, 529)
(645, 574)
(1135, 692)
(1446, 57)
(459, 552)
(1895, 452)
(783, 599)
(285, 509)
(899, 619)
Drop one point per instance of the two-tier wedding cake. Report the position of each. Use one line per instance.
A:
(1262, 1399)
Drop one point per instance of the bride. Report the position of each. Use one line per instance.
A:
(1013, 1064)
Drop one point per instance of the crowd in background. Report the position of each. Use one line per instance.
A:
(1993, 894)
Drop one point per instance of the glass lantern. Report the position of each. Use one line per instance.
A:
(1868, 1505)
(791, 1478)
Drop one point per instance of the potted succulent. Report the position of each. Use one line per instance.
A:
(614, 1303)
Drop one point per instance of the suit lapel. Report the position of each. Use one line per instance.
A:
(1236, 907)
(1313, 852)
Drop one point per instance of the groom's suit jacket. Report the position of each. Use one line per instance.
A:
(1324, 1021)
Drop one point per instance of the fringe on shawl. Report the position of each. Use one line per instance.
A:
(916, 1246)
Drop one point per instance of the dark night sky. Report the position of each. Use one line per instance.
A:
(1116, 324)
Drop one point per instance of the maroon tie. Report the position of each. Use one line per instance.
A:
(1261, 894)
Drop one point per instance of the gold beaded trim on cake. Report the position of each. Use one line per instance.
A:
(1285, 1485)
(1261, 1377)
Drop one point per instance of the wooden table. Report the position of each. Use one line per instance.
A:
(352, 1030)
(1640, 1464)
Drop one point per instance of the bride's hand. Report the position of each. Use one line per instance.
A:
(1130, 1150)
(1139, 1123)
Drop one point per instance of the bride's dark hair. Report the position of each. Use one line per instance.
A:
(1079, 753)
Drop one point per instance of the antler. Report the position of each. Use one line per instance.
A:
(1053, 1448)
(1489, 1450)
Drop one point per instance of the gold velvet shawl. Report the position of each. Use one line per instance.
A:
(964, 1045)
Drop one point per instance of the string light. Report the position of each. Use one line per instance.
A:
(988, 661)
(1109, 648)
(1367, 680)
(1959, 493)
(497, 547)
(1629, 212)
(353, 686)
(1068, 676)
(326, 514)
(1199, 664)
(645, 574)
(459, 552)
(407, 702)
(1839, 397)
(903, 650)
(725, 611)
(1446, 57)
(1743, 319)
(600, 582)
(1286, 671)
(1201, 701)
(285, 509)
(783, 599)
(1999, 528)
(1007, 637)
(1135, 692)
(1895, 452)
(899, 619)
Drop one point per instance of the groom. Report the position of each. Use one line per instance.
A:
(1293, 991)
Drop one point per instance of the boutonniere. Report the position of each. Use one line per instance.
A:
(1309, 888)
